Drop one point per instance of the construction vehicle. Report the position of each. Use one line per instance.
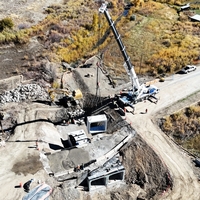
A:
(56, 93)
(138, 92)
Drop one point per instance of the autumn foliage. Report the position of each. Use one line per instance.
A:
(183, 126)
(158, 40)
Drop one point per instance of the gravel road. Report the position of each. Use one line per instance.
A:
(175, 88)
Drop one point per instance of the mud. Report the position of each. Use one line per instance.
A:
(30, 165)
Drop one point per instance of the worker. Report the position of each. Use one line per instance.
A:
(1, 115)
(72, 121)
(146, 110)
(27, 185)
(77, 168)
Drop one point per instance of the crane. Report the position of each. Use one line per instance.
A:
(138, 92)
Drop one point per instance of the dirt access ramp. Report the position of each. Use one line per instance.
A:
(20, 159)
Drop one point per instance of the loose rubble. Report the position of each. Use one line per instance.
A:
(24, 92)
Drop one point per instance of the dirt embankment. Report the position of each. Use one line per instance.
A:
(144, 168)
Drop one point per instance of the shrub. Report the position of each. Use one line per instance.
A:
(193, 110)
(6, 23)
(132, 18)
(21, 37)
(2, 38)
(176, 116)
(167, 124)
(9, 35)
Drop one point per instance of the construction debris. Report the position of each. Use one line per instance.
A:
(42, 191)
(24, 92)
(111, 172)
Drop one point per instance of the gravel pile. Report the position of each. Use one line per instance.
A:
(24, 92)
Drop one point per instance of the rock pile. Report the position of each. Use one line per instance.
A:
(77, 113)
(24, 92)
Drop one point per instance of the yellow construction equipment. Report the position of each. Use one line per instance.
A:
(55, 93)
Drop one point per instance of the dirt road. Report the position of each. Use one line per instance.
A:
(175, 88)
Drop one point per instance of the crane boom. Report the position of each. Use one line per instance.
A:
(128, 66)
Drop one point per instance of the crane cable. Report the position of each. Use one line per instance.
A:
(98, 91)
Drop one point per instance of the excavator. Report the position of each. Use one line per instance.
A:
(138, 92)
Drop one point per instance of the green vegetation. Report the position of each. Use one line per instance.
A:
(6, 23)
(157, 37)
(8, 34)
(183, 126)
(81, 42)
